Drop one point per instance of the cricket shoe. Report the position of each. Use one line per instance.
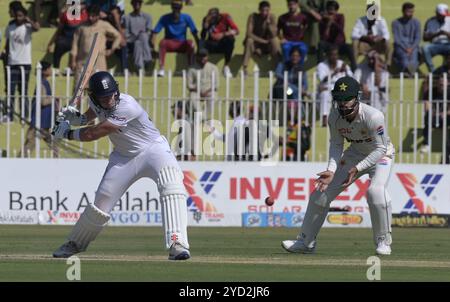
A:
(66, 250)
(178, 252)
(382, 247)
(298, 246)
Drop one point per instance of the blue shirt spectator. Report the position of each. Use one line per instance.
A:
(175, 30)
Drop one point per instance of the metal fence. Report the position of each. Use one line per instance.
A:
(405, 117)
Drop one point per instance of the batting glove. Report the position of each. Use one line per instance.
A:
(61, 130)
(74, 116)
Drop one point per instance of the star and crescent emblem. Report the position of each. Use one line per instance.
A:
(343, 87)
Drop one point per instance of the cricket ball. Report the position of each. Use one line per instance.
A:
(269, 201)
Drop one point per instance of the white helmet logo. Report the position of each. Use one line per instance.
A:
(105, 84)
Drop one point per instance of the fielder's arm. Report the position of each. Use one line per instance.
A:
(92, 133)
(336, 144)
(376, 130)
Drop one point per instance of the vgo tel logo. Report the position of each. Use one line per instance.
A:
(200, 189)
(289, 188)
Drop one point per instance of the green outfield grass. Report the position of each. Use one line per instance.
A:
(240, 10)
(223, 254)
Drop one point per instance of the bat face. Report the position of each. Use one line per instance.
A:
(88, 69)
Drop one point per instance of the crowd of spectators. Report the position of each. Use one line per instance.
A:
(309, 30)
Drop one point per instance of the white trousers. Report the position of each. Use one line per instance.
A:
(378, 198)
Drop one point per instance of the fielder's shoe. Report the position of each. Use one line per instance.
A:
(178, 252)
(298, 246)
(383, 248)
(66, 250)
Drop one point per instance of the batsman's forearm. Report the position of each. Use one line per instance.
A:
(87, 134)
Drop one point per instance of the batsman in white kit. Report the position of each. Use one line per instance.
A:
(370, 152)
(139, 151)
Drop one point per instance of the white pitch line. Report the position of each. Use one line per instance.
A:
(296, 260)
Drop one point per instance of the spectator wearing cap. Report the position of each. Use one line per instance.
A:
(63, 37)
(331, 29)
(261, 37)
(291, 31)
(202, 100)
(82, 40)
(138, 27)
(437, 33)
(19, 36)
(175, 27)
(218, 35)
(46, 114)
(406, 31)
(370, 35)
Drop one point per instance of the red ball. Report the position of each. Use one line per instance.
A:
(269, 201)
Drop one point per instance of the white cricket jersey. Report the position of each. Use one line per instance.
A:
(366, 134)
(136, 131)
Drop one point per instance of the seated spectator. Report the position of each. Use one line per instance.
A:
(292, 138)
(328, 72)
(435, 108)
(82, 40)
(437, 32)
(46, 115)
(175, 27)
(406, 31)
(19, 40)
(63, 37)
(238, 137)
(331, 29)
(218, 35)
(184, 148)
(293, 67)
(370, 35)
(291, 31)
(138, 26)
(261, 37)
(202, 100)
(375, 93)
(313, 10)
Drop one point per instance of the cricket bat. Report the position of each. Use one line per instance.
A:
(88, 68)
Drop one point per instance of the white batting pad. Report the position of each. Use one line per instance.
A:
(89, 225)
(173, 205)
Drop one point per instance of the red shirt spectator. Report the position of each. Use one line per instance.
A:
(293, 26)
(69, 25)
(216, 31)
(336, 33)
